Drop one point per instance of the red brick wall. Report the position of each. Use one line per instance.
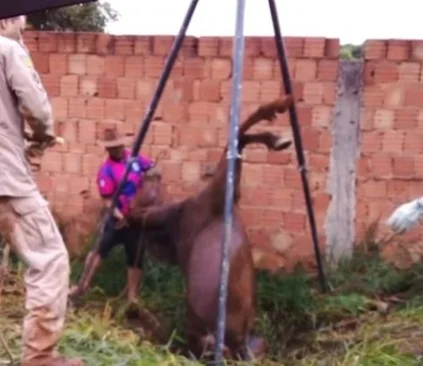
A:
(95, 78)
(390, 169)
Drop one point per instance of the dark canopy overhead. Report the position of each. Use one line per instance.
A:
(11, 8)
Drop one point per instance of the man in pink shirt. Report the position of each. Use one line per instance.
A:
(116, 229)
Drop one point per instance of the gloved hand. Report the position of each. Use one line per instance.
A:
(34, 150)
(39, 134)
(406, 216)
(48, 138)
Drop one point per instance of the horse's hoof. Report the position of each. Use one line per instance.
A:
(75, 292)
(257, 347)
(74, 299)
(281, 144)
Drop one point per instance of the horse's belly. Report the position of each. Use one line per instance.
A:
(204, 266)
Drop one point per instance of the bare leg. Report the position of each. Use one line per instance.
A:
(134, 280)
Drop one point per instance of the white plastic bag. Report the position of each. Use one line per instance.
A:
(406, 216)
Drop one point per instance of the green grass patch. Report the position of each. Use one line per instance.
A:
(348, 327)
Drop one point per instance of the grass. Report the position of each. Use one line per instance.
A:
(373, 317)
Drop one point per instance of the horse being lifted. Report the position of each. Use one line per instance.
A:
(189, 234)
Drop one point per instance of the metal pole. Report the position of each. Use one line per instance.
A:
(238, 63)
(298, 142)
(151, 110)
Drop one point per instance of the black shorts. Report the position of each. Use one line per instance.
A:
(127, 236)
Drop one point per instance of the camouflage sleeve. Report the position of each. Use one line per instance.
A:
(25, 82)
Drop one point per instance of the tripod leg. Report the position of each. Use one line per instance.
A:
(238, 61)
(170, 61)
(298, 142)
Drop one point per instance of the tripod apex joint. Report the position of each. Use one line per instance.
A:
(233, 155)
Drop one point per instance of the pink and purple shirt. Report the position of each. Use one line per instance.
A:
(111, 172)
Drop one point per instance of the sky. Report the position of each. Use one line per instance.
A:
(366, 19)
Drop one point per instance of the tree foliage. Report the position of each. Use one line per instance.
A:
(351, 52)
(89, 17)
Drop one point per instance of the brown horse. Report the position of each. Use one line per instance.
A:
(189, 234)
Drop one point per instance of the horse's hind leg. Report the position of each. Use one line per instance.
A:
(238, 346)
(269, 139)
(246, 348)
(268, 112)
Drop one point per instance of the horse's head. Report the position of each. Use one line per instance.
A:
(151, 192)
(149, 195)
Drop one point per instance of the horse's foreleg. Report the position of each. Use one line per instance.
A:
(152, 218)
